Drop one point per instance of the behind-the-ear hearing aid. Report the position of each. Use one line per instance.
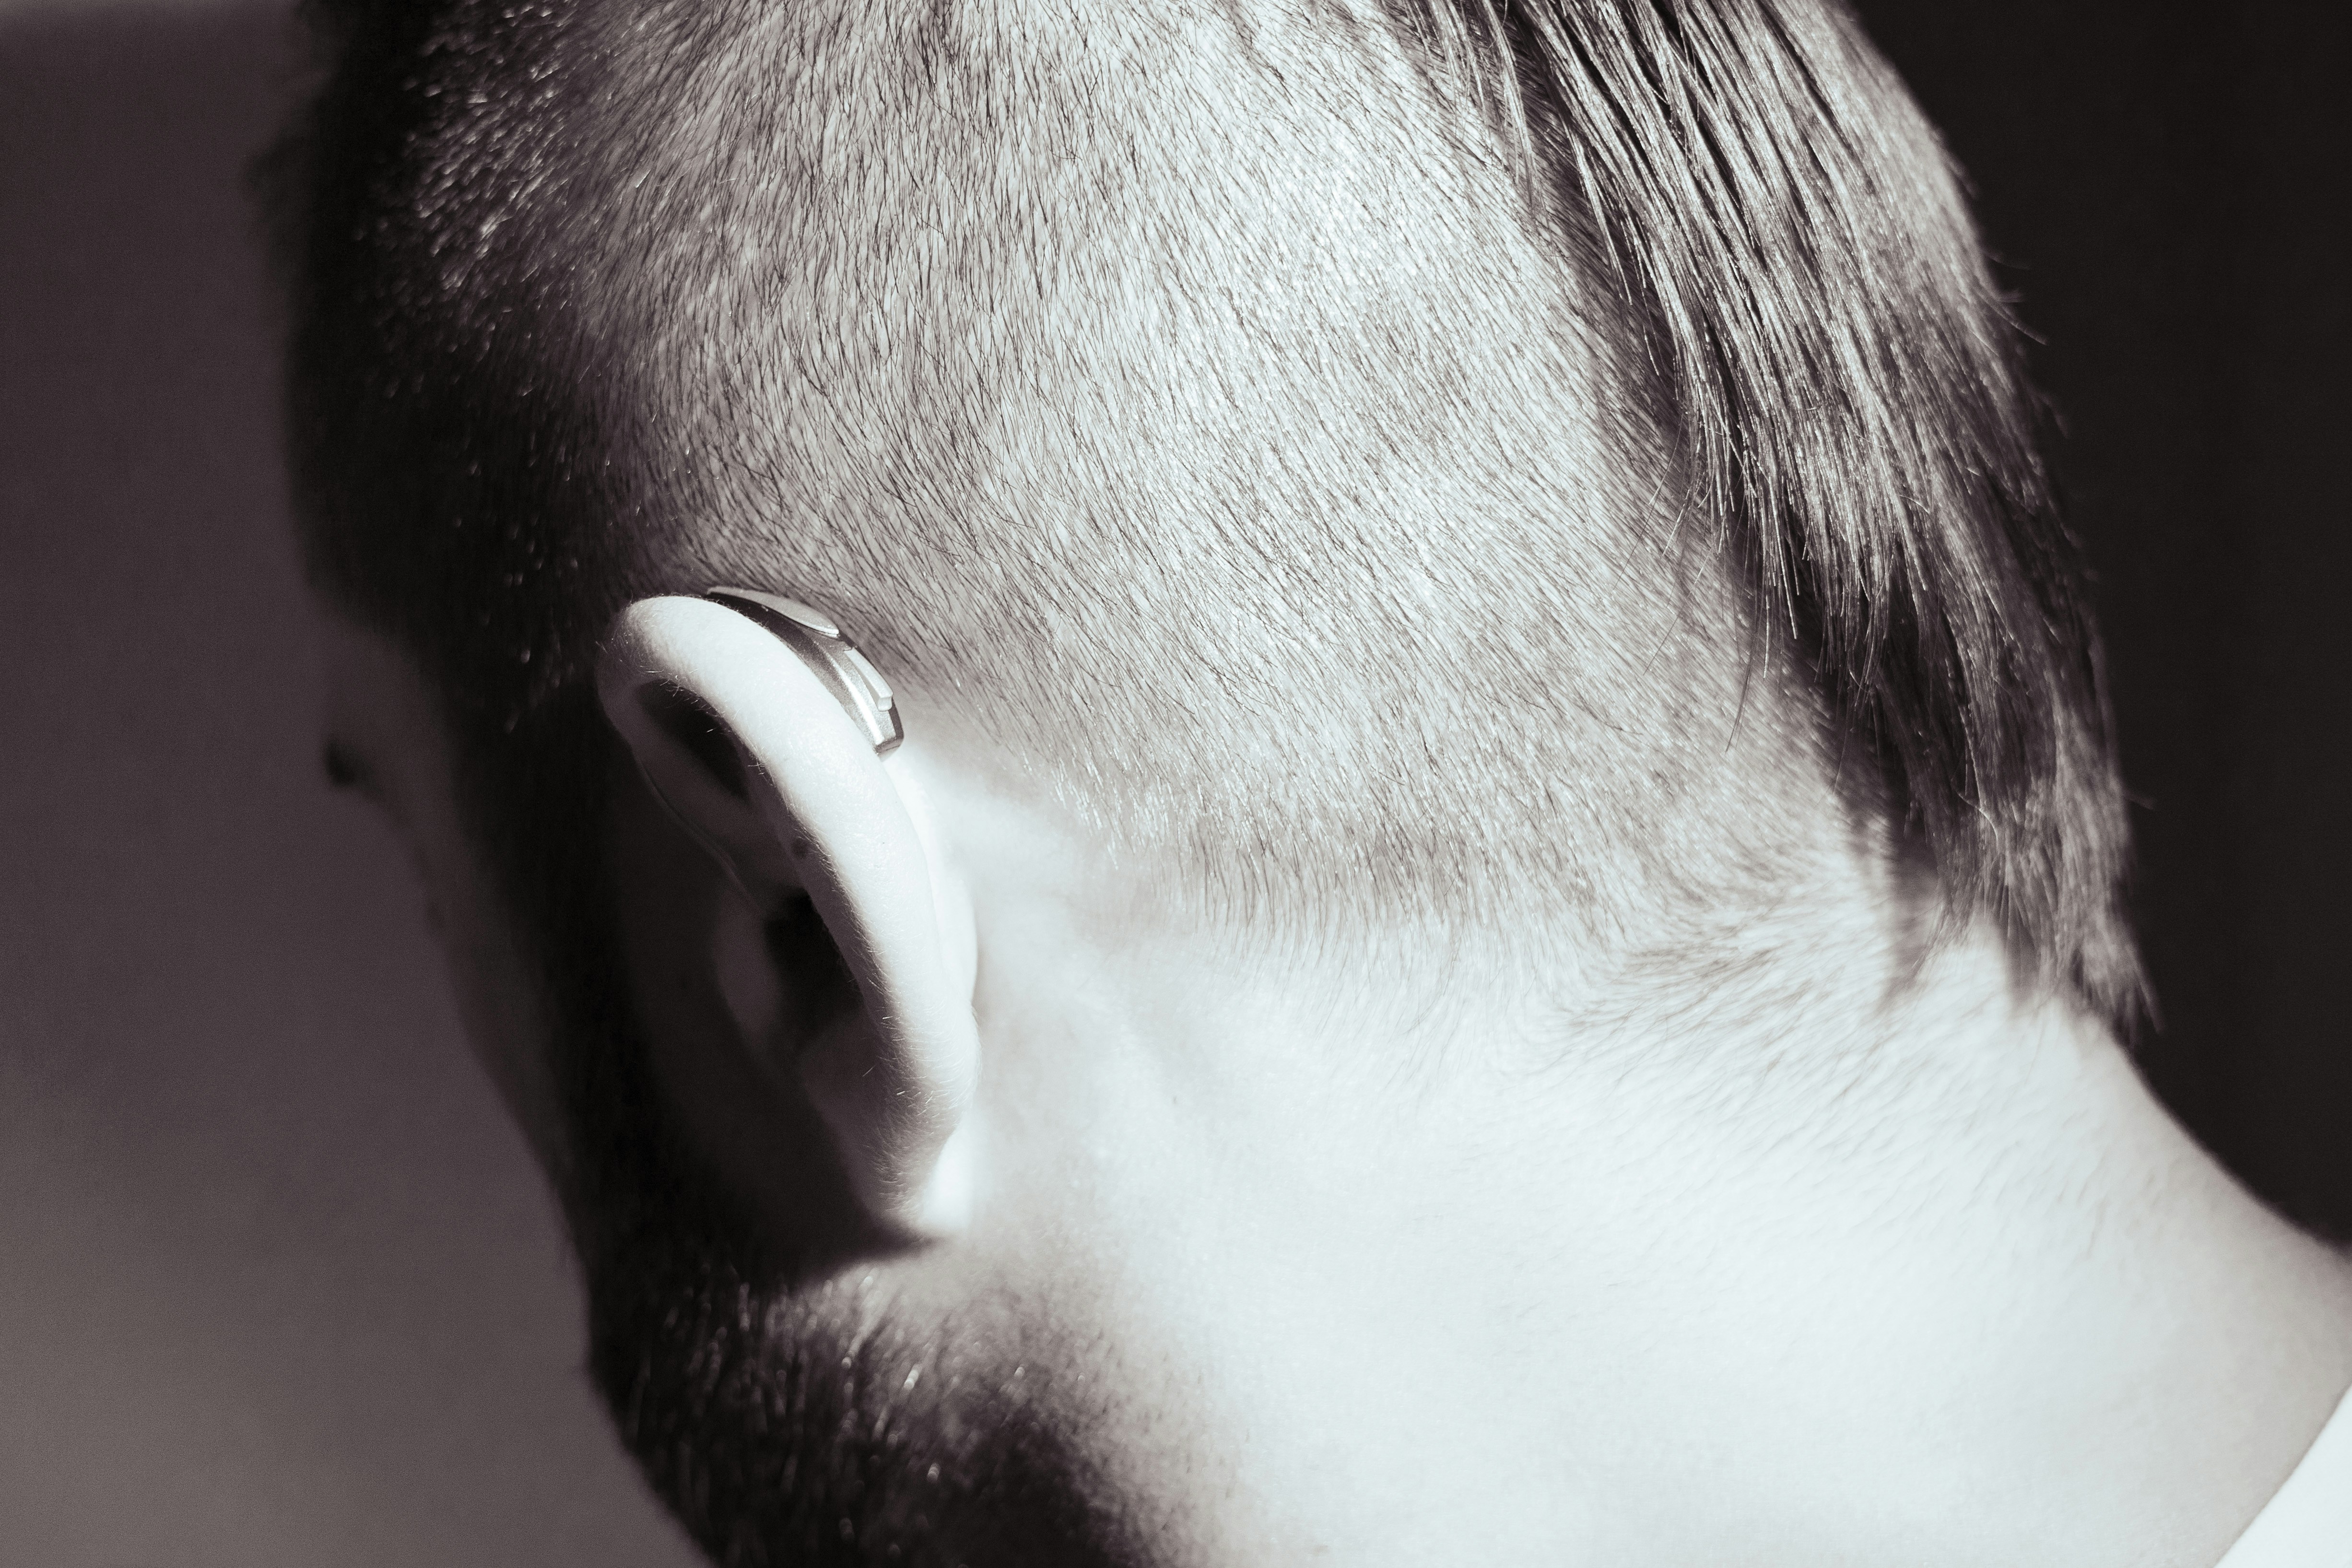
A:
(831, 656)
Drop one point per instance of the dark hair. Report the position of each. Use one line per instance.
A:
(1850, 403)
(1768, 244)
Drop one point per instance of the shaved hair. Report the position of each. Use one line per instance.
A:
(1487, 459)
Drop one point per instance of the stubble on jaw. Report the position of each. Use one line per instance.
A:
(789, 1403)
(811, 1425)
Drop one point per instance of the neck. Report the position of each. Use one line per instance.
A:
(1965, 1294)
(1959, 1290)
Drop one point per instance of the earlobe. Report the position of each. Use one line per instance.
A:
(759, 759)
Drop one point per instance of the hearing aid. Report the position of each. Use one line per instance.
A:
(829, 655)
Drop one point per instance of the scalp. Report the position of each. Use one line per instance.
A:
(1181, 400)
(1205, 411)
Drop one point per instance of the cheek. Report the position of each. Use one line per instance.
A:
(496, 1001)
(380, 706)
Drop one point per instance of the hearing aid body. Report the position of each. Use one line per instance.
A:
(831, 656)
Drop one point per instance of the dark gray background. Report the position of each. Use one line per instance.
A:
(2167, 186)
(276, 1284)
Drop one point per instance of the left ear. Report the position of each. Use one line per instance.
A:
(759, 760)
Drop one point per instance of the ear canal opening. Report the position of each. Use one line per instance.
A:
(685, 718)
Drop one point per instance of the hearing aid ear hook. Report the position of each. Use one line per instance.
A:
(832, 657)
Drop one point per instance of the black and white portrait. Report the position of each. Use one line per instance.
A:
(1123, 783)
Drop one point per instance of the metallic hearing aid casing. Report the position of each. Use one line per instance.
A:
(854, 681)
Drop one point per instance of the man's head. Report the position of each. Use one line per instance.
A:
(1518, 516)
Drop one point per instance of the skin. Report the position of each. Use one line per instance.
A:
(1328, 1255)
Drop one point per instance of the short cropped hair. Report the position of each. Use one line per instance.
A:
(1411, 460)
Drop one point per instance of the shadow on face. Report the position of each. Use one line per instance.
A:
(280, 1284)
(799, 1385)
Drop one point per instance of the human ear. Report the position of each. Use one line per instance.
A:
(761, 763)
